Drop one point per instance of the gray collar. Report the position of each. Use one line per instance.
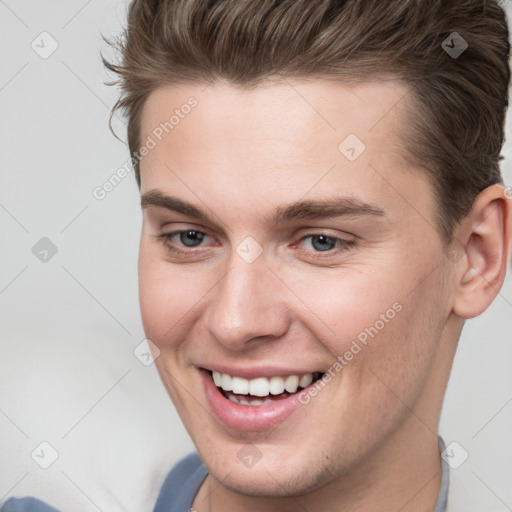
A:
(442, 500)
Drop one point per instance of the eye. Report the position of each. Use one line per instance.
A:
(319, 243)
(178, 242)
(190, 238)
(323, 243)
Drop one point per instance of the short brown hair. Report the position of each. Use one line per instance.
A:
(458, 102)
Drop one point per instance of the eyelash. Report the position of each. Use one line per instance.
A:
(344, 245)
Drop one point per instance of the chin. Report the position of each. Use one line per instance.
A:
(279, 476)
(267, 483)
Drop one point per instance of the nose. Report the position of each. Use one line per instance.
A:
(248, 304)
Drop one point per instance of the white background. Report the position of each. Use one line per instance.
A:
(68, 327)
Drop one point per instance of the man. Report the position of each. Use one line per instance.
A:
(323, 208)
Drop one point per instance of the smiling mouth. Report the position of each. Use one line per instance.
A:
(262, 390)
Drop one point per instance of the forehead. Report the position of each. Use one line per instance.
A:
(302, 106)
(280, 141)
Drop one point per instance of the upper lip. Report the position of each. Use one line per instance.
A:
(259, 371)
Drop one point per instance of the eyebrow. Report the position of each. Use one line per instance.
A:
(301, 210)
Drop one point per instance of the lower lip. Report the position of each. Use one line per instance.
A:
(247, 417)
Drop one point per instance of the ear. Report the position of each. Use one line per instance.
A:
(486, 238)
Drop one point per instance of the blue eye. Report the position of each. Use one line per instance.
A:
(324, 243)
(190, 238)
(186, 239)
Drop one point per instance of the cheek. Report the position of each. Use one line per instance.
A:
(382, 338)
(168, 297)
(348, 305)
(398, 358)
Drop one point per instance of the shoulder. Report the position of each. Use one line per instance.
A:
(26, 505)
(185, 467)
(181, 485)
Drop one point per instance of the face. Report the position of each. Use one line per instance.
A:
(285, 239)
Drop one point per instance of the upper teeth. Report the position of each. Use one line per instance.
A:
(261, 386)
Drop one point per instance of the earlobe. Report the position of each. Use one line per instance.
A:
(487, 238)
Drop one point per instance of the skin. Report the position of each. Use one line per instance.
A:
(368, 440)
